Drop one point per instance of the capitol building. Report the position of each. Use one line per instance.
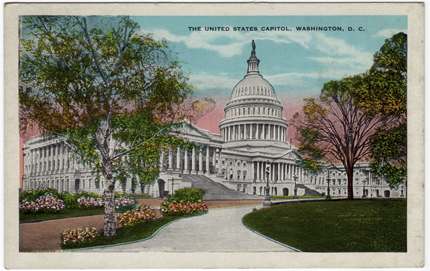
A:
(252, 147)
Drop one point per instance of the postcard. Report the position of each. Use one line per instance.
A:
(248, 135)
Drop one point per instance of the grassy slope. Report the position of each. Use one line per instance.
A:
(341, 226)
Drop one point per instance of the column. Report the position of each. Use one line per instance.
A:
(279, 133)
(263, 134)
(282, 171)
(207, 160)
(291, 172)
(200, 162)
(258, 170)
(238, 133)
(193, 161)
(214, 159)
(178, 160)
(279, 171)
(272, 167)
(186, 162)
(256, 134)
(170, 158)
(251, 172)
(220, 161)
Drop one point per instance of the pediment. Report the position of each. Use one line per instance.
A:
(292, 154)
(191, 130)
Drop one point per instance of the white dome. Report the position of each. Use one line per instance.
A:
(253, 85)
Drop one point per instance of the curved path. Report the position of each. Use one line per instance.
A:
(221, 230)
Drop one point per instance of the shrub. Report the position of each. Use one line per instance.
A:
(33, 195)
(183, 208)
(46, 203)
(187, 195)
(123, 202)
(90, 202)
(79, 235)
(138, 215)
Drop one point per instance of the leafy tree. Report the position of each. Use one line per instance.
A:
(114, 94)
(382, 92)
(333, 129)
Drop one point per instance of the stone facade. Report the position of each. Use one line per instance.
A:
(250, 151)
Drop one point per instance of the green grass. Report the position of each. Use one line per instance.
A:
(336, 226)
(65, 214)
(128, 234)
(300, 197)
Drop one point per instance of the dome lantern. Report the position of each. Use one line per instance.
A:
(253, 61)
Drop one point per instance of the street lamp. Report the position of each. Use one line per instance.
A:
(295, 187)
(328, 186)
(267, 201)
(364, 189)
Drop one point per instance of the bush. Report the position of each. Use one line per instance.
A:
(46, 203)
(123, 202)
(33, 195)
(183, 208)
(77, 236)
(141, 214)
(90, 202)
(187, 195)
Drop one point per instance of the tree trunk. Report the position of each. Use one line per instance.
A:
(109, 223)
(350, 173)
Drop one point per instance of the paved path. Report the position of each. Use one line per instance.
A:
(221, 230)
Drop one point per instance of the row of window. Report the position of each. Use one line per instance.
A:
(257, 90)
(244, 111)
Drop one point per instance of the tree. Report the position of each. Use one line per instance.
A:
(382, 92)
(117, 96)
(333, 129)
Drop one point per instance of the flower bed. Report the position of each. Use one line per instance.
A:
(79, 235)
(141, 214)
(90, 202)
(183, 208)
(46, 203)
(123, 202)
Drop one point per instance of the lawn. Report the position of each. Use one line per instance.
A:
(300, 197)
(65, 213)
(336, 226)
(128, 234)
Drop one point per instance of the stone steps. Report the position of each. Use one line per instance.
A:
(215, 190)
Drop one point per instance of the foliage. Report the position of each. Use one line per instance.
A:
(79, 235)
(90, 202)
(310, 165)
(141, 214)
(183, 208)
(333, 129)
(382, 92)
(115, 95)
(187, 195)
(32, 195)
(123, 202)
(46, 203)
(374, 225)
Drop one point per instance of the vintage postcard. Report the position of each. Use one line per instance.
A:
(214, 135)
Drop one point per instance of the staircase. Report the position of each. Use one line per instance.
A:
(214, 190)
(308, 191)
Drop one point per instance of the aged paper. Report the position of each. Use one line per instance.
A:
(414, 14)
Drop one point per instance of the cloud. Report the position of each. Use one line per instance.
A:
(233, 42)
(208, 81)
(387, 33)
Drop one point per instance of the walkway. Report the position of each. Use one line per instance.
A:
(221, 230)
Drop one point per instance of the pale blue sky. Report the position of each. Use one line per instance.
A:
(297, 63)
